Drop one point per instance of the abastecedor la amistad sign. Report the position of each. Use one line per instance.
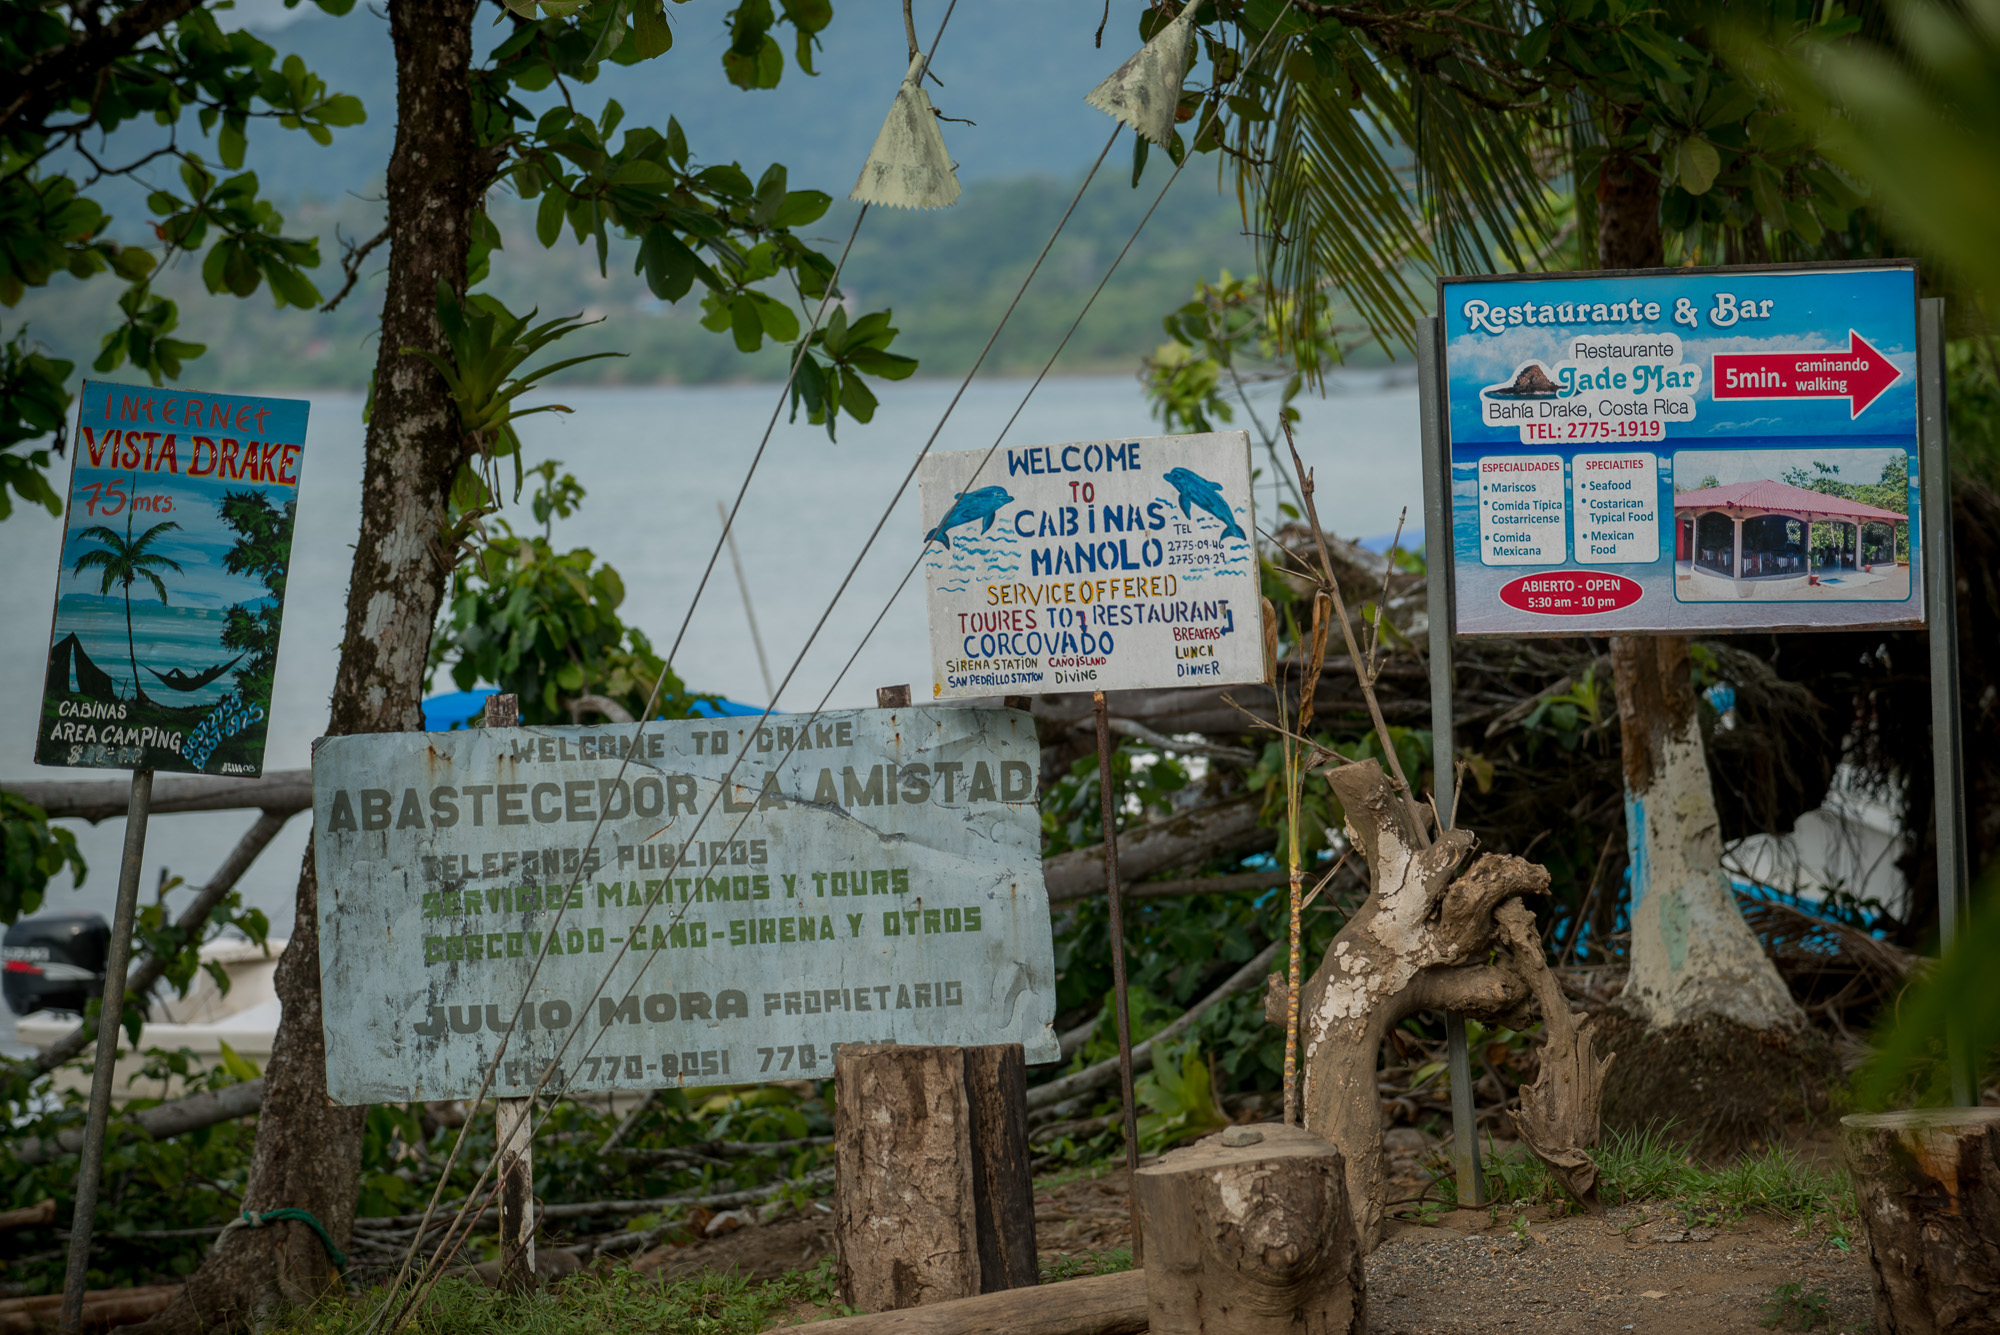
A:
(872, 876)
(1091, 566)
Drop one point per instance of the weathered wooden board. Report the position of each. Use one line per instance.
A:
(872, 876)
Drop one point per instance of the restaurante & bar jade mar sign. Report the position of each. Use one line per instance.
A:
(872, 876)
(1684, 450)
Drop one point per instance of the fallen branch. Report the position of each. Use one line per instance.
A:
(282, 792)
(1092, 1078)
(159, 1123)
(101, 1307)
(189, 925)
(1183, 839)
(41, 1212)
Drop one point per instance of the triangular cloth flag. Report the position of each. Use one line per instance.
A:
(1145, 91)
(908, 167)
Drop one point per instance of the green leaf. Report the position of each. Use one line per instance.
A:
(802, 207)
(229, 142)
(236, 1064)
(549, 217)
(744, 323)
(1696, 165)
(651, 35)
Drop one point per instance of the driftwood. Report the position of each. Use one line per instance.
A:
(1928, 1184)
(1560, 1111)
(1097, 1305)
(1251, 1239)
(1420, 941)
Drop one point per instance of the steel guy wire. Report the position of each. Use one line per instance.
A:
(769, 710)
(725, 783)
(1075, 324)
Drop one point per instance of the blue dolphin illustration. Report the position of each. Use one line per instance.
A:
(1196, 490)
(970, 505)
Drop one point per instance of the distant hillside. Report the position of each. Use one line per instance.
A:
(1020, 70)
(947, 275)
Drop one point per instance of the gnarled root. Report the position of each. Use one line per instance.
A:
(1559, 1114)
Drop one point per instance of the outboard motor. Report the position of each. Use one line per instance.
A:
(54, 962)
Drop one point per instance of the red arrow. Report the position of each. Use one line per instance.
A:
(1858, 375)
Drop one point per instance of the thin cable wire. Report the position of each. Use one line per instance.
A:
(725, 783)
(798, 661)
(909, 573)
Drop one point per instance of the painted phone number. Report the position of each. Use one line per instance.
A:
(1644, 429)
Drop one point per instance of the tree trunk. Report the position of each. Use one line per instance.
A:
(1693, 957)
(1929, 1189)
(1251, 1239)
(308, 1152)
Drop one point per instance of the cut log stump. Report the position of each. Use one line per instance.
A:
(1928, 1183)
(935, 1194)
(1251, 1238)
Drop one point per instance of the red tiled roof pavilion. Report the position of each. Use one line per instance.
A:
(1767, 495)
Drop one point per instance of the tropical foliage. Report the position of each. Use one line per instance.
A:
(263, 551)
(125, 561)
(170, 77)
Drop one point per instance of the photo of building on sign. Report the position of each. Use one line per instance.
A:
(1792, 525)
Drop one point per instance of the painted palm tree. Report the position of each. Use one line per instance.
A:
(126, 560)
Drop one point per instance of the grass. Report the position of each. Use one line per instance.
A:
(1792, 1307)
(1648, 1166)
(587, 1304)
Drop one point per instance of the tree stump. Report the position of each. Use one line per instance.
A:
(1251, 1239)
(935, 1192)
(1929, 1188)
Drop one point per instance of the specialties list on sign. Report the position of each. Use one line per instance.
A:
(1523, 512)
(1617, 507)
(1099, 565)
(864, 877)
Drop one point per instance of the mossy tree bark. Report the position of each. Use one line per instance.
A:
(308, 1152)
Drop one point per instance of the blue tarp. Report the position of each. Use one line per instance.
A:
(457, 709)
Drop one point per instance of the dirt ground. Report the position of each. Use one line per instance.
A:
(1639, 1268)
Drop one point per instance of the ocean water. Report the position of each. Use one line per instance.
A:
(655, 462)
(187, 639)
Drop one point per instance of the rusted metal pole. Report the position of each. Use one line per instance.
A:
(111, 1007)
(513, 1121)
(1120, 1007)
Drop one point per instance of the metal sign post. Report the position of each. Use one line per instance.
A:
(513, 1123)
(111, 1007)
(1121, 1007)
(1947, 740)
(1437, 585)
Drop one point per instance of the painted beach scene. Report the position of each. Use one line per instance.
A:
(170, 599)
